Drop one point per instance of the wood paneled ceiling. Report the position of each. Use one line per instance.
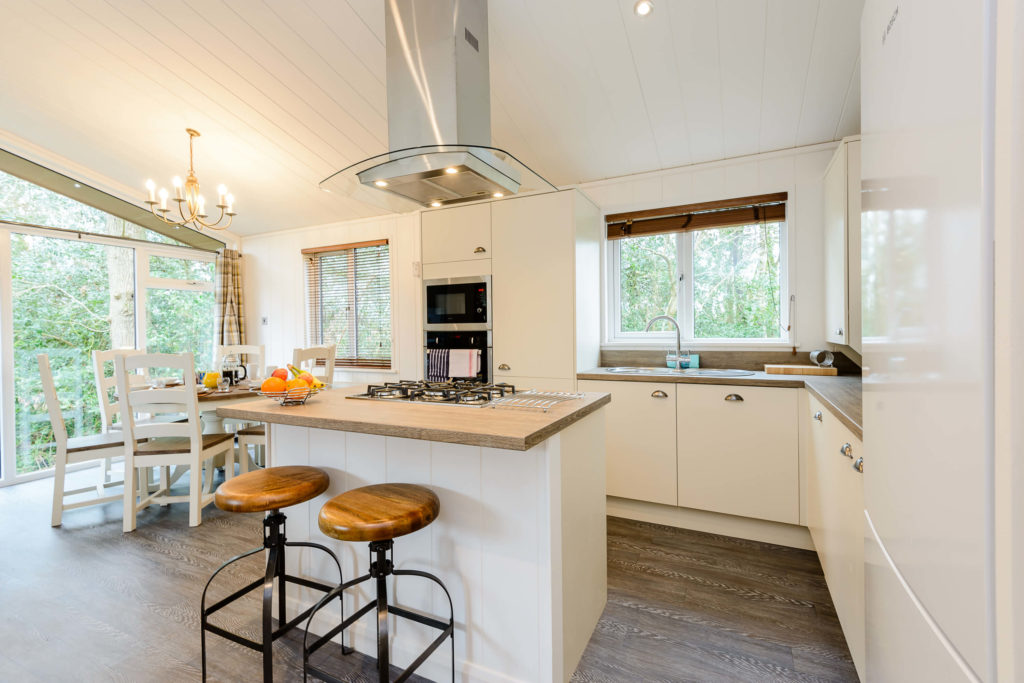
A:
(286, 93)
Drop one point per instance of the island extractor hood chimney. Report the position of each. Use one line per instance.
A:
(439, 114)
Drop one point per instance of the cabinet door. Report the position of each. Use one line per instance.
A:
(835, 517)
(641, 439)
(533, 280)
(836, 276)
(459, 234)
(738, 450)
(853, 334)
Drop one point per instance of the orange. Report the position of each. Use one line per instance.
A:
(273, 385)
(296, 384)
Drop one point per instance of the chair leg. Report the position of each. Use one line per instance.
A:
(195, 491)
(130, 484)
(165, 482)
(103, 478)
(58, 487)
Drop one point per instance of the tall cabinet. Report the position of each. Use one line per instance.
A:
(543, 252)
(842, 245)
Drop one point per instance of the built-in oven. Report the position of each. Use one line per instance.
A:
(458, 303)
(472, 339)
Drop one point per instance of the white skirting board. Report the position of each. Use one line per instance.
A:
(711, 522)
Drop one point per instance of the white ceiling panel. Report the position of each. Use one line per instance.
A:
(287, 93)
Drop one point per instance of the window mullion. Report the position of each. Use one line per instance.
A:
(684, 265)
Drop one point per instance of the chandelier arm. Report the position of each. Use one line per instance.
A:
(186, 219)
(216, 225)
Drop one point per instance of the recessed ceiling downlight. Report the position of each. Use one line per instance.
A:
(435, 204)
(643, 7)
(380, 183)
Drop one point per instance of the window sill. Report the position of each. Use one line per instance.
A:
(375, 371)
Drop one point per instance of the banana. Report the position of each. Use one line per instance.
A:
(317, 384)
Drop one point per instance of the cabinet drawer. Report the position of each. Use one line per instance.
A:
(738, 450)
(641, 439)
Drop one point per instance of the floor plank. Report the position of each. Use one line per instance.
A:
(85, 602)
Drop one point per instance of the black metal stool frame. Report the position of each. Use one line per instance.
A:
(275, 541)
(380, 569)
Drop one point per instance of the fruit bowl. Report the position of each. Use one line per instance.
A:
(291, 397)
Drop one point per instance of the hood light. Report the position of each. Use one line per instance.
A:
(451, 169)
(435, 204)
(498, 195)
(380, 183)
(643, 7)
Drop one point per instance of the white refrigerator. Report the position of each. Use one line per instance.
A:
(927, 290)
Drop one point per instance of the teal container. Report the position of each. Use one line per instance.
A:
(691, 360)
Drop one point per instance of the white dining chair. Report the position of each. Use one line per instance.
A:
(102, 447)
(308, 359)
(181, 445)
(247, 433)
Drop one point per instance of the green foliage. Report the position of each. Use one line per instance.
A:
(736, 283)
(735, 274)
(68, 297)
(648, 280)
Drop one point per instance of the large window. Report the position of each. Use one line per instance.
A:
(723, 283)
(348, 296)
(67, 295)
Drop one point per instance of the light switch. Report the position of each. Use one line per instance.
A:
(264, 320)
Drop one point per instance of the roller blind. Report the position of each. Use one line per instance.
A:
(349, 302)
(725, 213)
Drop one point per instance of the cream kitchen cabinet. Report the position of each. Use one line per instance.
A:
(461, 233)
(842, 246)
(545, 275)
(738, 450)
(835, 518)
(641, 439)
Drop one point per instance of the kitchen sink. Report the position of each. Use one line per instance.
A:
(686, 372)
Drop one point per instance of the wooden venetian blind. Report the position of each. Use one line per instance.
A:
(768, 208)
(349, 302)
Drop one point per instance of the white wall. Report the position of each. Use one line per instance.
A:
(796, 171)
(275, 288)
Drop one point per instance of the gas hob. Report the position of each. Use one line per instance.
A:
(455, 393)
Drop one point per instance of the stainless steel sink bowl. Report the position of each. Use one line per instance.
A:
(685, 372)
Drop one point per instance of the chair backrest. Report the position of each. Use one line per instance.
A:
(254, 355)
(313, 354)
(60, 431)
(109, 406)
(179, 399)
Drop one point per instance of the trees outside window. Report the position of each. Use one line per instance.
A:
(721, 284)
(73, 294)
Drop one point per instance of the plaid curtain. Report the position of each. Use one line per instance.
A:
(230, 310)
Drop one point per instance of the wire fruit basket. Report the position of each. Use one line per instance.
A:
(291, 397)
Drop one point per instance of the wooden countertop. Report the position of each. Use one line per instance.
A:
(513, 429)
(840, 394)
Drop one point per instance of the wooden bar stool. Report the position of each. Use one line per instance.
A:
(379, 514)
(269, 490)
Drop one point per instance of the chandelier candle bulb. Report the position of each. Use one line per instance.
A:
(231, 204)
(176, 181)
(163, 199)
(222, 193)
(201, 204)
(151, 186)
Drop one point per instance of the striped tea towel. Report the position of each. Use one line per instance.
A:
(437, 364)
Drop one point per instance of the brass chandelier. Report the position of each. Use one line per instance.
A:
(191, 204)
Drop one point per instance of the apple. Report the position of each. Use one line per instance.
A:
(280, 373)
(307, 378)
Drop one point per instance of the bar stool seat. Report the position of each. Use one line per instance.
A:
(379, 512)
(269, 490)
(272, 488)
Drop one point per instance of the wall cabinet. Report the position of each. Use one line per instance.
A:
(842, 246)
(458, 234)
(641, 439)
(738, 450)
(835, 518)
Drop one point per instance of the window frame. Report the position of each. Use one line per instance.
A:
(611, 308)
(142, 251)
(392, 367)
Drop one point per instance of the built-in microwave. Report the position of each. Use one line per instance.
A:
(458, 303)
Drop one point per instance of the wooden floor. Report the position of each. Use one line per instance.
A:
(85, 602)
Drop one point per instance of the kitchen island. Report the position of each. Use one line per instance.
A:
(520, 541)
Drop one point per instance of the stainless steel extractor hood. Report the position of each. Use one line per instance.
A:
(439, 115)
